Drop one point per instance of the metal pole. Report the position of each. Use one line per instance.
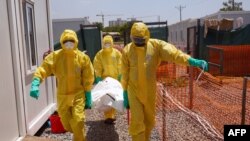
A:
(191, 77)
(166, 31)
(233, 5)
(128, 116)
(103, 20)
(221, 61)
(180, 9)
(198, 37)
(180, 14)
(164, 116)
(243, 112)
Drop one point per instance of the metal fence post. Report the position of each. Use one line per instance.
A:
(191, 78)
(243, 112)
(221, 61)
(164, 115)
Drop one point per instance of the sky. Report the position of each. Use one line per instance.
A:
(145, 10)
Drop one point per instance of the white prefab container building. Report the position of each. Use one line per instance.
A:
(59, 25)
(178, 31)
(26, 33)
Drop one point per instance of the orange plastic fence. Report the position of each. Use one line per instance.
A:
(234, 60)
(215, 102)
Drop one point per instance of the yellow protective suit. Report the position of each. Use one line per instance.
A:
(107, 63)
(75, 75)
(139, 66)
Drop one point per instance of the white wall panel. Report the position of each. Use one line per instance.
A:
(8, 118)
(38, 111)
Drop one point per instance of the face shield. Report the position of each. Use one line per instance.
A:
(138, 41)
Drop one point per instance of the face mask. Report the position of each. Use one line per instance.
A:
(69, 45)
(107, 45)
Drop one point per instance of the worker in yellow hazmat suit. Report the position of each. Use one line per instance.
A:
(140, 59)
(107, 63)
(75, 76)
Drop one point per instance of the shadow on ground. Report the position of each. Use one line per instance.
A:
(99, 131)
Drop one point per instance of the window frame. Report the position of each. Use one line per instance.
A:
(30, 46)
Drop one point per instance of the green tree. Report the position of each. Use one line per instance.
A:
(119, 29)
(111, 29)
(232, 6)
(123, 28)
(99, 25)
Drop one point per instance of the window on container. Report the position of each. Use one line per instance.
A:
(176, 39)
(30, 38)
(182, 37)
(171, 36)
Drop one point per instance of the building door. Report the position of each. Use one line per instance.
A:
(8, 119)
(191, 41)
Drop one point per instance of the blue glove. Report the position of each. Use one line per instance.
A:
(88, 100)
(34, 91)
(125, 99)
(119, 77)
(198, 63)
(98, 79)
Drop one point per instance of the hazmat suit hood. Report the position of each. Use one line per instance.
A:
(107, 40)
(140, 30)
(69, 35)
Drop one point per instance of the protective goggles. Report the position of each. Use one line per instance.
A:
(139, 40)
(68, 41)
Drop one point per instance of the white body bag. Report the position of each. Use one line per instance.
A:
(108, 94)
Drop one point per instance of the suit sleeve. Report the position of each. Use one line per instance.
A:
(87, 74)
(98, 68)
(169, 52)
(124, 69)
(45, 69)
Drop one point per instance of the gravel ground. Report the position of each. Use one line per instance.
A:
(96, 130)
(182, 127)
(179, 127)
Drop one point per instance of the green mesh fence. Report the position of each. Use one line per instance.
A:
(80, 40)
(89, 40)
(159, 33)
(238, 36)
